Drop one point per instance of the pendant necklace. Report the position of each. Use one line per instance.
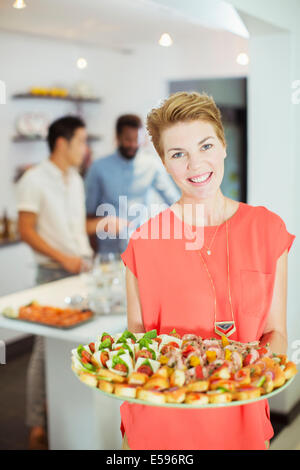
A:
(227, 327)
(208, 250)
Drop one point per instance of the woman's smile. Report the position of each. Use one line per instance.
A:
(200, 180)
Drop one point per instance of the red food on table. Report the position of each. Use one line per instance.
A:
(54, 316)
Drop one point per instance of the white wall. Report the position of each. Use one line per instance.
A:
(127, 83)
(274, 123)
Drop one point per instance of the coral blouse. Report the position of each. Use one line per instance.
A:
(175, 292)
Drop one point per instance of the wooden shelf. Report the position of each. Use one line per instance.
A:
(60, 98)
(25, 139)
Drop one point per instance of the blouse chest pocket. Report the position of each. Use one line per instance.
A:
(256, 289)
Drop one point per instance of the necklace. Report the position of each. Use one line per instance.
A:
(222, 327)
(208, 250)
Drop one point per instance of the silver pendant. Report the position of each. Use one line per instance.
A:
(208, 252)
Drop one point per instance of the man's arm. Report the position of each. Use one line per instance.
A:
(28, 233)
(275, 331)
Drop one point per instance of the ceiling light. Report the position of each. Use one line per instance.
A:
(19, 4)
(165, 40)
(242, 58)
(81, 63)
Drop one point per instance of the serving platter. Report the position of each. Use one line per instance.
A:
(185, 371)
(186, 405)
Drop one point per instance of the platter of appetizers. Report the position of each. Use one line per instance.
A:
(181, 371)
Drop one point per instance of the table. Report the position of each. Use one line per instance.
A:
(78, 417)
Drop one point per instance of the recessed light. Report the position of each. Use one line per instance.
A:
(19, 4)
(242, 58)
(165, 40)
(81, 63)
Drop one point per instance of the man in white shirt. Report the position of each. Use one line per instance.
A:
(52, 220)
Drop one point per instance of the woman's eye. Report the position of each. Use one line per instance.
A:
(177, 155)
(206, 146)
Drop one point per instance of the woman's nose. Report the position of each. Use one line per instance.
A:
(194, 162)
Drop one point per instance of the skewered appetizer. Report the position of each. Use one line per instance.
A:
(172, 369)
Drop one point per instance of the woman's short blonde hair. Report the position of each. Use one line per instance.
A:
(183, 107)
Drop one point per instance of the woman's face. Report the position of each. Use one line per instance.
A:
(192, 150)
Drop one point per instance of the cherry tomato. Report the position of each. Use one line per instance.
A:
(104, 357)
(92, 347)
(188, 350)
(144, 353)
(121, 367)
(145, 370)
(86, 355)
(262, 351)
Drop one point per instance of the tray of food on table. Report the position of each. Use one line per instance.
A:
(181, 371)
(56, 317)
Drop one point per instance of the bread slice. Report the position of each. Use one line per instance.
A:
(175, 395)
(246, 393)
(137, 378)
(196, 398)
(109, 375)
(125, 390)
(216, 397)
(88, 379)
(230, 385)
(177, 379)
(156, 382)
(198, 386)
(153, 396)
(290, 370)
(106, 386)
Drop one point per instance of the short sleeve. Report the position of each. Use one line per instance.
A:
(284, 239)
(28, 194)
(128, 257)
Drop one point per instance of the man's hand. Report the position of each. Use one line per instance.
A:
(111, 224)
(72, 264)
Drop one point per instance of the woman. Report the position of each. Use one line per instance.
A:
(237, 276)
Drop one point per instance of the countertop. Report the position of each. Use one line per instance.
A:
(54, 294)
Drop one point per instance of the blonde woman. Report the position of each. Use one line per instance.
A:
(233, 283)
